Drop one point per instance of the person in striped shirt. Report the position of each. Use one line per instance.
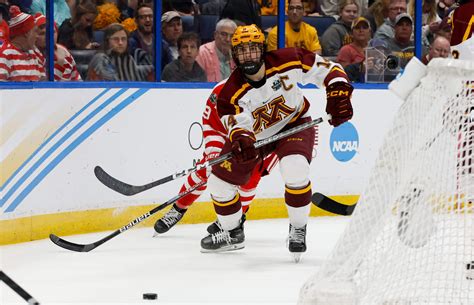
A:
(115, 63)
(18, 60)
(64, 64)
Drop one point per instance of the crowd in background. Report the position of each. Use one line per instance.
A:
(113, 40)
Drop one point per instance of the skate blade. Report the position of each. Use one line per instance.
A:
(296, 256)
(224, 249)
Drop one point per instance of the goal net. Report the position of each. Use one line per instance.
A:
(410, 239)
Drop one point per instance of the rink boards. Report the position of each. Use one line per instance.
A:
(51, 140)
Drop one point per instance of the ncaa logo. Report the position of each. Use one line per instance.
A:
(344, 142)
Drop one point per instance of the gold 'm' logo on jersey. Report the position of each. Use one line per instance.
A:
(270, 114)
(226, 165)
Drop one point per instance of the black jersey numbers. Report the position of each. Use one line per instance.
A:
(270, 114)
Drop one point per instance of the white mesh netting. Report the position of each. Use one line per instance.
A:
(410, 238)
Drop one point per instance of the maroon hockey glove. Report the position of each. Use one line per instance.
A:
(243, 148)
(339, 104)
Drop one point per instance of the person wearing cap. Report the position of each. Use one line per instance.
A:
(64, 64)
(298, 34)
(402, 45)
(18, 59)
(172, 28)
(387, 30)
(352, 56)
(338, 34)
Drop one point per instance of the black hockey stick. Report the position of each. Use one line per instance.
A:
(129, 190)
(88, 247)
(15, 287)
(330, 205)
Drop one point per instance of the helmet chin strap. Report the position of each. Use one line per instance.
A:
(250, 67)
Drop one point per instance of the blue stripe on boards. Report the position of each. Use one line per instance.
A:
(51, 138)
(52, 149)
(109, 115)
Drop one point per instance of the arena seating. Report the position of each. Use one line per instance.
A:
(321, 23)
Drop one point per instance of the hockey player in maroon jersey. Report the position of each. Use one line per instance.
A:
(462, 41)
(214, 135)
(261, 98)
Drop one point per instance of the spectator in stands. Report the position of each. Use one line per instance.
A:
(215, 57)
(243, 12)
(64, 64)
(333, 7)
(4, 29)
(115, 63)
(142, 37)
(352, 56)
(18, 59)
(61, 9)
(77, 32)
(338, 34)
(440, 47)
(429, 19)
(401, 45)
(172, 28)
(185, 68)
(386, 30)
(298, 33)
(377, 13)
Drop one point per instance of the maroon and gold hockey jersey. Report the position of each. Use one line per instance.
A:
(267, 109)
(462, 41)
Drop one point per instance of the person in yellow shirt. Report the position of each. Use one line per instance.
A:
(297, 32)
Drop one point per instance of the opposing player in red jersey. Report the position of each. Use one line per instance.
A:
(462, 41)
(214, 135)
(261, 98)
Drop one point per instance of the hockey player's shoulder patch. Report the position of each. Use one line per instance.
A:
(213, 98)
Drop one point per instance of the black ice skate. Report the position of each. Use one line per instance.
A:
(172, 217)
(216, 225)
(297, 242)
(470, 271)
(223, 240)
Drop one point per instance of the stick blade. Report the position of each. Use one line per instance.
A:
(114, 184)
(69, 245)
(332, 206)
